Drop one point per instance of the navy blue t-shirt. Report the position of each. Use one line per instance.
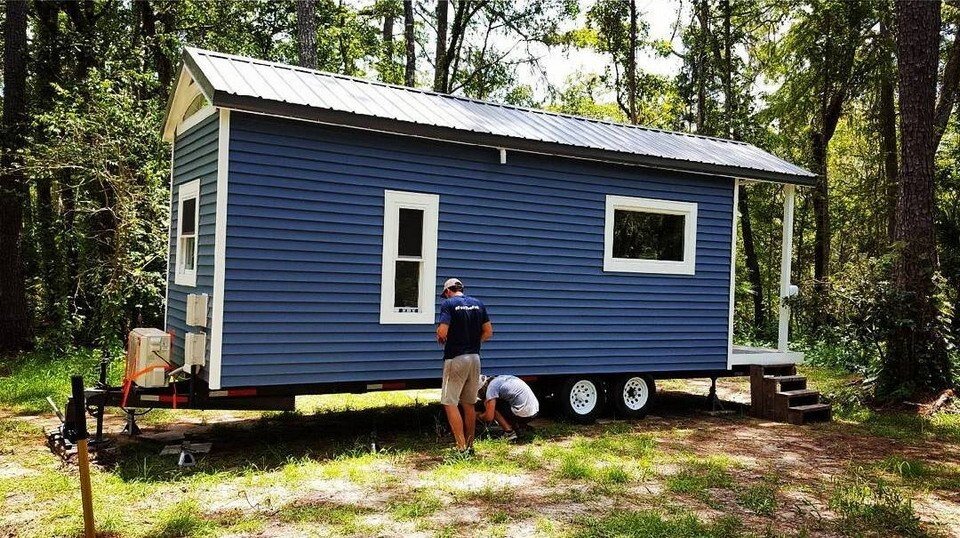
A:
(465, 316)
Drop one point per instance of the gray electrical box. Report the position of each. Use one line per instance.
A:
(197, 309)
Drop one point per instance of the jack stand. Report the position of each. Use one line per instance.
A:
(374, 445)
(131, 428)
(712, 399)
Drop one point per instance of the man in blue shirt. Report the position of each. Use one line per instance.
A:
(464, 325)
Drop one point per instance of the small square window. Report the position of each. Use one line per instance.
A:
(644, 235)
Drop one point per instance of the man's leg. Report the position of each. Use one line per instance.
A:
(469, 423)
(502, 421)
(456, 426)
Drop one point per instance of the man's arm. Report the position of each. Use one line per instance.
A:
(487, 332)
(442, 333)
(489, 409)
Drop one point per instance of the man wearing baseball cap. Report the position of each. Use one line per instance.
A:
(464, 325)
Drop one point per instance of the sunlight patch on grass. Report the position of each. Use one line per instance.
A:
(27, 380)
(341, 519)
(697, 476)
(326, 403)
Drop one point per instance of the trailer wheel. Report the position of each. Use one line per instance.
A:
(581, 399)
(632, 395)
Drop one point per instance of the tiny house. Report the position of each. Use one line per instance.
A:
(316, 215)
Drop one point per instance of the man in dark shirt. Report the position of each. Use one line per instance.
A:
(463, 326)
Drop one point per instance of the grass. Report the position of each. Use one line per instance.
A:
(30, 378)
(421, 503)
(654, 524)
(299, 473)
(872, 507)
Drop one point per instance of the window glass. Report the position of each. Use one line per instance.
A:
(410, 236)
(407, 286)
(647, 236)
(188, 220)
(188, 249)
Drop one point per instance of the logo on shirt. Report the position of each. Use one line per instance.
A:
(466, 307)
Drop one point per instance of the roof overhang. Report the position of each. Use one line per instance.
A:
(192, 82)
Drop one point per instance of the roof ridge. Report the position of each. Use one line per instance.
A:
(458, 97)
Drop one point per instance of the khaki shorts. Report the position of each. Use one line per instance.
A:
(461, 380)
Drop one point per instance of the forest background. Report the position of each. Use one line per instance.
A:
(859, 91)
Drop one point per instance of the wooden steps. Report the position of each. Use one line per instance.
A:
(778, 393)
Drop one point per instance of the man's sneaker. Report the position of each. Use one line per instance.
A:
(510, 435)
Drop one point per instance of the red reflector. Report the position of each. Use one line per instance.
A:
(241, 392)
(166, 398)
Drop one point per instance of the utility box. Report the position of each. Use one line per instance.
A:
(148, 357)
(194, 349)
(197, 309)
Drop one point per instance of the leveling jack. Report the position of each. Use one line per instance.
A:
(186, 451)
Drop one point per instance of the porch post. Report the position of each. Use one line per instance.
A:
(786, 257)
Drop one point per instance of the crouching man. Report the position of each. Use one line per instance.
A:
(509, 401)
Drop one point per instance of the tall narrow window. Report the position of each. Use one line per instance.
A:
(188, 220)
(643, 235)
(409, 257)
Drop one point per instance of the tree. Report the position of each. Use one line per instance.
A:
(916, 358)
(307, 33)
(409, 38)
(14, 316)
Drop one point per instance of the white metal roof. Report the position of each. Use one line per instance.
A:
(278, 89)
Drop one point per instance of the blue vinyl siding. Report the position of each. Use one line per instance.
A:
(194, 157)
(303, 260)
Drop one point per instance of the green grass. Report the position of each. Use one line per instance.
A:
(759, 498)
(653, 524)
(419, 504)
(28, 380)
(341, 519)
(182, 519)
(873, 507)
(697, 476)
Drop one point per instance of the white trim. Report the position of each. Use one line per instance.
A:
(733, 269)
(166, 275)
(393, 201)
(196, 118)
(186, 191)
(530, 152)
(766, 358)
(219, 251)
(669, 207)
(786, 257)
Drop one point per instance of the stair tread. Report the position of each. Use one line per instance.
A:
(810, 407)
(786, 377)
(799, 392)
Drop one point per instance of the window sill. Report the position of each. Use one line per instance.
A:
(394, 318)
(653, 267)
(186, 279)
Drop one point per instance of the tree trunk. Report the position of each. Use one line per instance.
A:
(440, 60)
(916, 359)
(307, 33)
(410, 70)
(161, 63)
(753, 264)
(821, 217)
(14, 317)
(632, 64)
(888, 136)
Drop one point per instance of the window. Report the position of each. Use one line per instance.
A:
(409, 257)
(643, 235)
(188, 219)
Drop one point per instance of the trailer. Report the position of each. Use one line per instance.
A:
(313, 217)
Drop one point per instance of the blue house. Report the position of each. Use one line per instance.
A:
(319, 214)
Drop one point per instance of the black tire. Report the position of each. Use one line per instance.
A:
(632, 395)
(581, 399)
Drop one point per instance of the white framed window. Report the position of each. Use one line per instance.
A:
(188, 221)
(409, 257)
(645, 235)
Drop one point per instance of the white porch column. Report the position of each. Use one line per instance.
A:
(786, 257)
